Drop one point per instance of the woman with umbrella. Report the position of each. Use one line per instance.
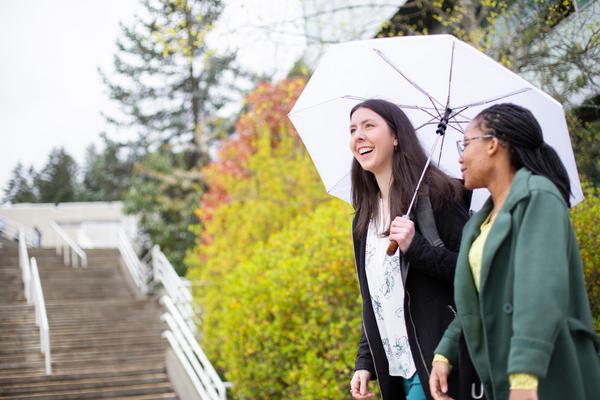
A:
(519, 289)
(407, 297)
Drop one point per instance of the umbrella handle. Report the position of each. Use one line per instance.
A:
(392, 248)
(393, 244)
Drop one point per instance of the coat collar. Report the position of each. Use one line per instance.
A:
(499, 231)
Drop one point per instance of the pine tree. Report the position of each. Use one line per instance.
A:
(57, 180)
(168, 82)
(20, 188)
(107, 173)
(170, 87)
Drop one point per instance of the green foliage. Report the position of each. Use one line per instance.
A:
(168, 83)
(170, 87)
(272, 270)
(19, 188)
(293, 315)
(56, 181)
(163, 196)
(586, 222)
(585, 138)
(106, 173)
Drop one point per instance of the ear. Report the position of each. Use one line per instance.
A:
(494, 147)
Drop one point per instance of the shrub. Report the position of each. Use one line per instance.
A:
(293, 313)
(586, 222)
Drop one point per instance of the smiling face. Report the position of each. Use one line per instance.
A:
(371, 141)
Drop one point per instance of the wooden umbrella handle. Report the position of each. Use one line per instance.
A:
(392, 248)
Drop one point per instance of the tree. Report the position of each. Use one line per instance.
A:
(168, 82)
(272, 270)
(546, 41)
(170, 87)
(164, 195)
(57, 180)
(107, 174)
(19, 188)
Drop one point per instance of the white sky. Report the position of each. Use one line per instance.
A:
(50, 50)
(50, 91)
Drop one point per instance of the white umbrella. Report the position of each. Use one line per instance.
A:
(428, 77)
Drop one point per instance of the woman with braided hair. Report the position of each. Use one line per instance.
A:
(519, 290)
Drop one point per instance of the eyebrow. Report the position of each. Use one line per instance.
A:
(363, 122)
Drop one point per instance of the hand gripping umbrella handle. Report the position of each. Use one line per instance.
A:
(393, 244)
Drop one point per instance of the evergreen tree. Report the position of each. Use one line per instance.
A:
(56, 181)
(168, 82)
(164, 196)
(170, 87)
(107, 173)
(20, 186)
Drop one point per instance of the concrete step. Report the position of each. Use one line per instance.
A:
(85, 383)
(99, 392)
(83, 373)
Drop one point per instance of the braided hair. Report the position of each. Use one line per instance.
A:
(517, 128)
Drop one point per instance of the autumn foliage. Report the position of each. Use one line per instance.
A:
(273, 268)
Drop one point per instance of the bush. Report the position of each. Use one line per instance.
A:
(293, 312)
(586, 222)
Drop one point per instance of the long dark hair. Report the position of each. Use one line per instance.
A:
(520, 131)
(407, 165)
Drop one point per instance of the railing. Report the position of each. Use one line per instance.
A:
(11, 230)
(25, 268)
(34, 295)
(202, 374)
(41, 319)
(66, 246)
(174, 285)
(139, 272)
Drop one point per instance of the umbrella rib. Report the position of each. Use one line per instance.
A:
(292, 112)
(486, 101)
(391, 64)
(422, 108)
(450, 75)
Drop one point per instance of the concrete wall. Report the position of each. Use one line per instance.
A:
(93, 224)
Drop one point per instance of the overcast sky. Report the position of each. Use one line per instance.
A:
(50, 91)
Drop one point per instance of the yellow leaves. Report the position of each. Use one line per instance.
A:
(277, 271)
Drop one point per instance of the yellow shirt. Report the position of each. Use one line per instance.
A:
(517, 381)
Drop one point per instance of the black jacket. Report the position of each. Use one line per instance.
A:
(428, 300)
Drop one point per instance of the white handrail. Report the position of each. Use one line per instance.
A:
(204, 377)
(67, 247)
(11, 230)
(41, 318)
(25, 268)
(137, 269)
(174, 285)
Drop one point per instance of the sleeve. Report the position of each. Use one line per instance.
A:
(440, 262)
(439, 357)
(449, 344)
(540, 283)
(364, 360)
(523, 381)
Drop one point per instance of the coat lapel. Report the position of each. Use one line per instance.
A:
(501, 227)
(466, 298)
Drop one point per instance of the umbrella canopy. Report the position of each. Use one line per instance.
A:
(428, 77)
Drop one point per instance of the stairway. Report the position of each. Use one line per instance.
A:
(105, 340)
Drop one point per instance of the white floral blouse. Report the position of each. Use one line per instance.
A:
(387, 297)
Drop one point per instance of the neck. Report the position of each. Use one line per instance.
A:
(499, 187)
(384, 181)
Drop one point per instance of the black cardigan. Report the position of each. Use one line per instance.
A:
(428, 297)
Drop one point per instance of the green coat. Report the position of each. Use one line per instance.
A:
(532, 314)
